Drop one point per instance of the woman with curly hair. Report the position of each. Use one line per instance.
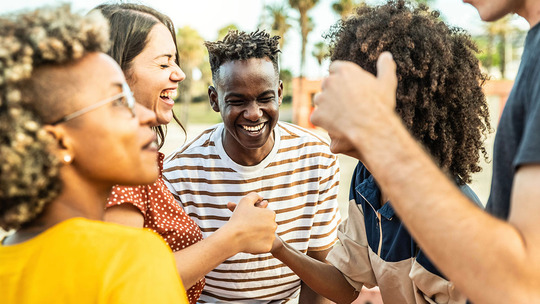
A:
(70, 130)
(440, 101)
(144, 45)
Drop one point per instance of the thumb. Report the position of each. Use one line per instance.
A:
(250, 199)
(231, 206)
(386, 69)
(261, 204)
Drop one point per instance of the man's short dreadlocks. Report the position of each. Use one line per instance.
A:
(238, 45)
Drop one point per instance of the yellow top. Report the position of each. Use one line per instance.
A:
(84, 261)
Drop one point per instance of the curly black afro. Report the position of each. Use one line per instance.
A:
(439, 95)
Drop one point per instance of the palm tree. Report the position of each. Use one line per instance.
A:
(499, 30)
(345, 8)
(320, 52)
(498, 44)
(280, 21)
(191, 52)
(306, 26)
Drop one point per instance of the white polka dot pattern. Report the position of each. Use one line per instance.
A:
(163, 215)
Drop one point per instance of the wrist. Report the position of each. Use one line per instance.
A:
(230, 237)
(277, 247)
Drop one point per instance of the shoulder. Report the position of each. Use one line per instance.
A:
(101, 243)
(289, 130)
(360, 173)
(200, 143)
(87, 231)
(303, 141)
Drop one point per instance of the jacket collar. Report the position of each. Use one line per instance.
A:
(370, 192)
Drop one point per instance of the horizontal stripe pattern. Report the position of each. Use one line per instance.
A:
(300, 180)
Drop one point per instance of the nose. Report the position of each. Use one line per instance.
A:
(146, 116)
(253, 112)
(177, 74)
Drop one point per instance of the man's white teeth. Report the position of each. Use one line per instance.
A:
(254, 128)
(169, 94)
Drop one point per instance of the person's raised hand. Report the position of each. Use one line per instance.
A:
(353, 100)
(253, 224)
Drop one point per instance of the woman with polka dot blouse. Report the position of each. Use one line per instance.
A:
(143, 43)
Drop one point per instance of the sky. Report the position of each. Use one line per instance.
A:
(208, 16)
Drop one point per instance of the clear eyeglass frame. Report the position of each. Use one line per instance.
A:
(126, 97)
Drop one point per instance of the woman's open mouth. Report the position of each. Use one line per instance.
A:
(168, 96)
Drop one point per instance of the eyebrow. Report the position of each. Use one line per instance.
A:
(233, 94)
(165, 55)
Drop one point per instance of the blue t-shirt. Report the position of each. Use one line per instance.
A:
(517, 141)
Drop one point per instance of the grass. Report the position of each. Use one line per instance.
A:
(199, 113)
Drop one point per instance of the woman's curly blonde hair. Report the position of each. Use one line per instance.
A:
(29, 170)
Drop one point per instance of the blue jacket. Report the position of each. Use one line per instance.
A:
(377, 250)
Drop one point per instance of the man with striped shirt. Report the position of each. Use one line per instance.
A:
(290, 167)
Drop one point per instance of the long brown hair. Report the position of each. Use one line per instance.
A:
(130, 25)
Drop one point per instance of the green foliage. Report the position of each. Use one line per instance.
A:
(320, 51)
(191, 52)
(306, 25)
(286, 76)
(280, 21)
(499, 44)
(345, 8)
(199, 113)
(222, 32)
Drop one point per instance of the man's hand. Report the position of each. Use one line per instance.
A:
(253, 224)
(353, 100)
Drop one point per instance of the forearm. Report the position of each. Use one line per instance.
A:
(250, 229)
(322, 278)
(309, 296)
(195, 261)
(483, 256)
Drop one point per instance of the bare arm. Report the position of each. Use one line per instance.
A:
(200, 258)
(491, 261)
(321, 278)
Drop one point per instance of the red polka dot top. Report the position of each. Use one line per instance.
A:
(163, 215)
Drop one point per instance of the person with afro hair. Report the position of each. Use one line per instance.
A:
(440, 101)
(493, 256)
(290, 167)
(70, 130)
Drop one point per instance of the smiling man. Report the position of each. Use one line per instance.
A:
(251, 150)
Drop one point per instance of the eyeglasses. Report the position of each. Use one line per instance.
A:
(125, 98)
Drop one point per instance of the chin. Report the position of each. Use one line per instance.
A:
(164, 119)
(147, 178)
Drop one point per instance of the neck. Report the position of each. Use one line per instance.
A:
(530, 10)
(79, 198)
(247, 157)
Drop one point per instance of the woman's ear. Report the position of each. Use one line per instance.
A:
(63, 148)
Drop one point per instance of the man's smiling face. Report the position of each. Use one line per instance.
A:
(248, 96)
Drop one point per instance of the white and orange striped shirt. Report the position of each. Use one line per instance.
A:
(299, 178)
